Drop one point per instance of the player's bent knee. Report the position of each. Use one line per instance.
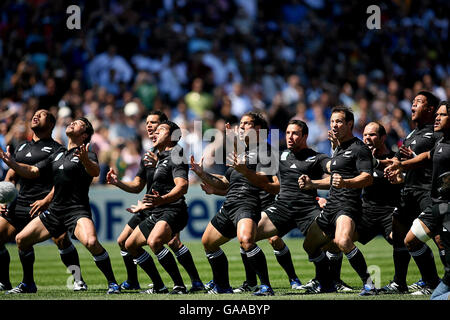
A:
(418, 230)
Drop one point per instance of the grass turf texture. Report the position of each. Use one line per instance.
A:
(51, 276)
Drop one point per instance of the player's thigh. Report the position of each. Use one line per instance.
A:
(345, 228)
(212, 239)
(123, 236)
(160, 235)
(266, 229)
(246, 230)
(315, 238)
(7, 231)
(85, 232)
(34, 232)
(417, 235)
(135, 240)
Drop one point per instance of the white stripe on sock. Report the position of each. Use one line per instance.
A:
(334, 256)
(352, 253)
(101, 257)
(319, 258)
(282, 252)
(67, 250)
(253, 252)
(181, 251)
(142, 258)
(162, 253)
(215, 254)
(419, 252)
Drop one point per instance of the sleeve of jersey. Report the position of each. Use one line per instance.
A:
(141, 171)
(46, 163)
(364, 160)
(180, 171)
(322, 161)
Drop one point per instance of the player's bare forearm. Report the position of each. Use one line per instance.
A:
(362, 180)
(25, 170)
(217, 181)
(11, 176)
(135, 186)
(323, 184)
(92, 167)
(262, 181)
(416, 162)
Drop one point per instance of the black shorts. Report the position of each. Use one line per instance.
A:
(137, 218)
(327, 218)
(374, 221)
(285, 219)
(18, 216)
(58, 222)
(412, 203)
(226, 220)
(176, 217)
(432, 222)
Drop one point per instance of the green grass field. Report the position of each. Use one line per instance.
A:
(51, 276)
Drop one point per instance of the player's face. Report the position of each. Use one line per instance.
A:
(152, 123)
(245, 126)
(370, 136)
(294, 137)
(419, 107)
(39, 120)
(442, 123)
(76, 128)
(339, 126)
(162, 134)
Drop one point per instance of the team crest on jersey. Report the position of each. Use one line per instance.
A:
(47, 149)
(375, 174)
(311, 159)
(428, 135)
(284, 155)
(22, 146)
(58, 156)
(347, 154)
(75, 159)
(410, 134)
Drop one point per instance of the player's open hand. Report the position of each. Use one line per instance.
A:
(153, 199)
(332, 138)
(150, 159)
(135, 208)
(111, 177)
(237, 162)
(197, 167)
(406, 152)
(82, 153)
(38, 206)
(6, 156)
(207, 188)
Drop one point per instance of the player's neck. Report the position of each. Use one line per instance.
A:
(73, 144)
(41, 136)
(346, 138)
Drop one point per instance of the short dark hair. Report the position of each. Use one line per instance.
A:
(162, 116)
(432, 100)
(172, 128)
(347, 112)
(89, 129)
(301, 124)
(446, 104)
(258, 119)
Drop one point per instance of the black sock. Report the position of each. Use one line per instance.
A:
(284, 258)
(250, 274)
(103, 262)
(425, 262)
(27, 260)
(401, 259)
(168, 262)
(335, 260)
(357, 261)
(322, 266)
(145, 261)
(219, 266)
(184, 257)
(257, 260)
(5, 260)
(130, 266)
(69, 256)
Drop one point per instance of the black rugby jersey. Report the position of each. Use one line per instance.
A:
(240, 189)
(146, 173)
(31, 153)
(381, 193)
(171, 164)
(70, 179)
(440, 155)
(349, 160)
(420, 140)
(292, 166)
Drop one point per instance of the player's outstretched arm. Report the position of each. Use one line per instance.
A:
(135, 186)
(22, 169)
(215, 180)
(305, 182)
(211, 190)
(362, 180)
(180, 189)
